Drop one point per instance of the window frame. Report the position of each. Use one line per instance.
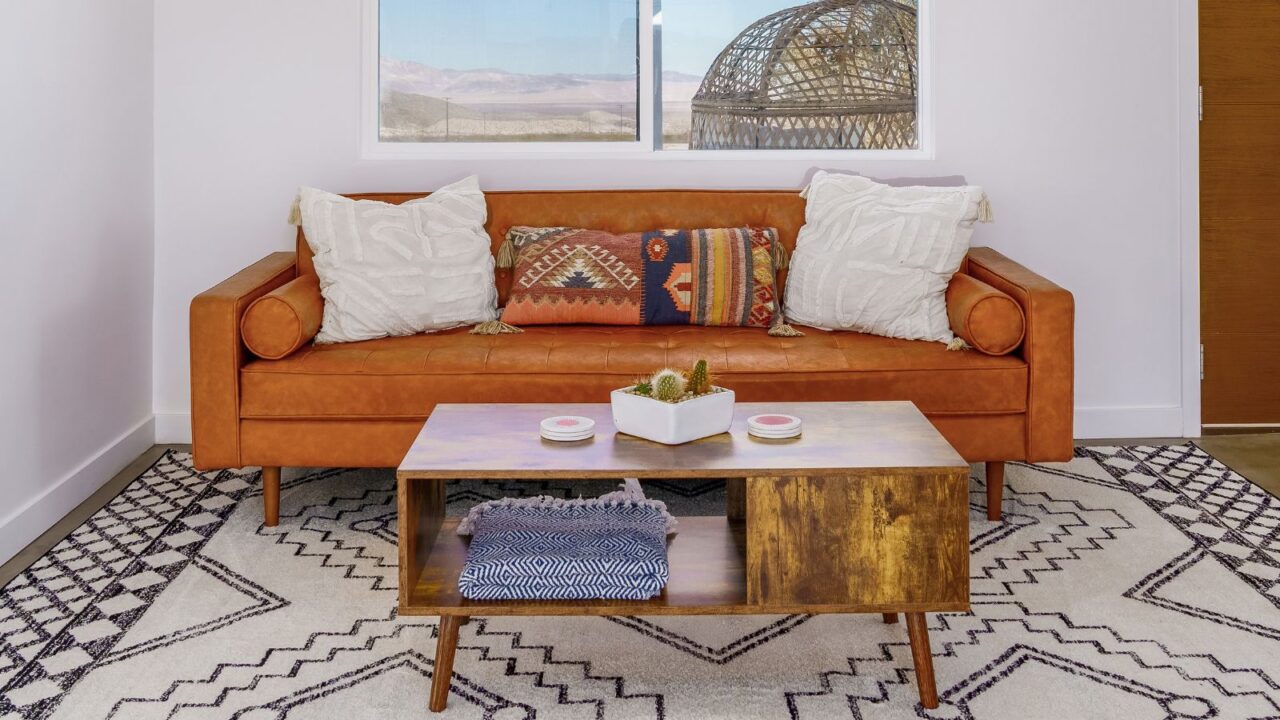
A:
(648, 146)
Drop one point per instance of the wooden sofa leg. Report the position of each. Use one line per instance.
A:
(995, 489)
(270, 496)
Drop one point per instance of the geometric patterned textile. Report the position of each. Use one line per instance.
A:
(1132, 582)
(548, 548)
(722, 277)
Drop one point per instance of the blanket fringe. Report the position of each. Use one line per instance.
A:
(958, 344)
(495, 327)
(630, 495)
(295, 212)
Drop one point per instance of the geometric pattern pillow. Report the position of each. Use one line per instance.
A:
(714, 277)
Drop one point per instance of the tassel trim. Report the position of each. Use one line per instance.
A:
(629, 496)
(985, 213)
(780, 328)
(781, 261)
(295, 212)
(495, 327)
(957, 344)
(506, 255)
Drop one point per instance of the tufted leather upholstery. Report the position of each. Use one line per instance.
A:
(361, 404)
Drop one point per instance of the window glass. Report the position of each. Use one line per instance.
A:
(508, 71)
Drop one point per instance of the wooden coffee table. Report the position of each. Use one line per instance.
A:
(867, 512)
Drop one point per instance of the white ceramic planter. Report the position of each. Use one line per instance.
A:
(672, 423)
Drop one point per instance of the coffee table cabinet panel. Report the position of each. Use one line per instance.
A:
(889, 540)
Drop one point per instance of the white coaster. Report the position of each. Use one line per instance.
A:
(568, 428)
(774, 426)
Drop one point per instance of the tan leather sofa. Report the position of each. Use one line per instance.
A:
(361, 404)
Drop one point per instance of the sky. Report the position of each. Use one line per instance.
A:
(560, 36)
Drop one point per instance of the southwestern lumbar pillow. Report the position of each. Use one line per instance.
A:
(877, 259)
(723, 276)
(400, 269)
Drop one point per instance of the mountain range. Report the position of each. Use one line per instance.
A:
(490, 85)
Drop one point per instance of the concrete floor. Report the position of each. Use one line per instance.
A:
(1257, 457)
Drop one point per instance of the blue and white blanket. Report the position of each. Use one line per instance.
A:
(543, 548)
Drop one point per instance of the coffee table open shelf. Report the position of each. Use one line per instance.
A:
(867, 512)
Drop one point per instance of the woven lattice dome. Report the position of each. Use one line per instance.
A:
(829, 74)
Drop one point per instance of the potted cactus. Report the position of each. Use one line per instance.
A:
(673, 407)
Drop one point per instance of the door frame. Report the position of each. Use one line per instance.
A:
(1188, 110)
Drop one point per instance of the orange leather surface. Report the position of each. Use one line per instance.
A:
(217, 354)
(989, 320)
(289, 412)
(1049, 348)
(383, 443)
(406, 376)
(282, 321)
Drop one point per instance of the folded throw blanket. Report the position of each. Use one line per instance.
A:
(544, 548)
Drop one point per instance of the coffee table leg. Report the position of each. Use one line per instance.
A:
(446, 647)
(918, 631)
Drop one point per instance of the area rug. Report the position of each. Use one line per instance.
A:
(1132, 582)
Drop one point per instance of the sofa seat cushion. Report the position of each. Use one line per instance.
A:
(404, 377)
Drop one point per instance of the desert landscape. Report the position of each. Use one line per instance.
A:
(421, 103)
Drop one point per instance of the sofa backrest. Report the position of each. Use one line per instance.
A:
(620, 211)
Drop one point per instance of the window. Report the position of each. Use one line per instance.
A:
(649, 74)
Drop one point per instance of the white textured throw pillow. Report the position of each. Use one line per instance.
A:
(878, 259)
(400, 269)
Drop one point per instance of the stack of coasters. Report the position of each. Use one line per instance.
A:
(774, 426)
(568, 428)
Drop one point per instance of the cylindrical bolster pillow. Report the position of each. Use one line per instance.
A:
(283, 320)
(989, 320)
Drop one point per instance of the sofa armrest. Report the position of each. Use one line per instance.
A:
(1049, 349)
(217, 353)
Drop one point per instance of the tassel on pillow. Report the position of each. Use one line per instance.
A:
(780, 328)
(985, 213)
(295, 212)
(506, 255)
(495, 327)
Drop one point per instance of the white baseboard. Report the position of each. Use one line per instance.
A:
(173, 428)
(26, 523)
(1156, 421)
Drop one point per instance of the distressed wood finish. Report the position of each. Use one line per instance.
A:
(420, 510)
(866, 512)
(845, 439)
(735, 492)
(894, 540)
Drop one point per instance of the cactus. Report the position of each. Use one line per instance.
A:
(668, 386)
(643, 387)
(700, 379)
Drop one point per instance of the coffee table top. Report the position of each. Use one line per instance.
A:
(491, 441)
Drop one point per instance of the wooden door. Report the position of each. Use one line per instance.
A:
(1240, 210)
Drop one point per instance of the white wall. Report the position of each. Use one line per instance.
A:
(76, 229)
(1066, 112)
